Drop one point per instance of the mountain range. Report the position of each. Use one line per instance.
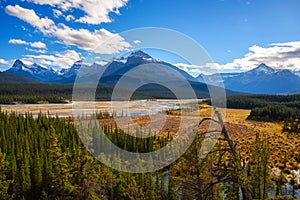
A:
(260, 80)
(117, 67)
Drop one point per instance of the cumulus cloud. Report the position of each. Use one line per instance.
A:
(60, 59)
(4, 62)
(38, 45)
(137, 42)
(70, 17)
(196, 70)
(66, 59)
(17, 41)
(102, 62)
(193, 70)
(57, 13)
(36, 50)
(28, 15)
(99, 41)
(276, 55)
(96, 11)
(27, 61)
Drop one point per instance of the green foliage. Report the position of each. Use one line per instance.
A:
(34, 93)
(259, 170)
(43, 158)
(258, 101)
(273, 113)
(4, 182)
(292, 125)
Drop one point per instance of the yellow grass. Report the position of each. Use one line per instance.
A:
(280, 142)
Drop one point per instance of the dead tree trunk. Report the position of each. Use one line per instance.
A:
(242, 168)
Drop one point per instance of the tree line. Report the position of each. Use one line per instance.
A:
(34, 93)
(273, 113)
(59, 93)
(259, 101)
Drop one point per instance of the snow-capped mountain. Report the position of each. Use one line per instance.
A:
(260, 80)
(262, 69)
(116, 67)
(73, 70)
(297, 72)
(215, 79)
(120, 66)
(140, 57)
(34, 71)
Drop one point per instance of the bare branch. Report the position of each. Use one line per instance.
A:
(207, 119)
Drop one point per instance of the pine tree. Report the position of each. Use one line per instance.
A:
(37, 174)
(60, 178)
(172, 193)
(259, 168)
(134, 192)
(4, 182)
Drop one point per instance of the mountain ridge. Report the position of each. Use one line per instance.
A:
(260, 80)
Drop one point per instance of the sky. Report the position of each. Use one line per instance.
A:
(237, 34)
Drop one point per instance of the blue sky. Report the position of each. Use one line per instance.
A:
(237, 34)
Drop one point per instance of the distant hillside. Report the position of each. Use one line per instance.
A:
(6, 78)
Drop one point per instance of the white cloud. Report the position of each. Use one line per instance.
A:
(193, 70)
(36, 50)
(28, 15)
(4, 62)
(196, 70)
(96, 11)
(17, 41)
(38, 45)
(102, 62)
(70, 17)
(27, 61)
(60, 59)
(66, 59)
(99, 41)
(57, 13)
(91, 41)
(137, 42)
(277, 55)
